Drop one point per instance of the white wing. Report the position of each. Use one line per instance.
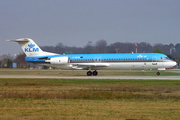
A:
(86, 66)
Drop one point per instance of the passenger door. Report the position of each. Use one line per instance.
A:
(154, 60)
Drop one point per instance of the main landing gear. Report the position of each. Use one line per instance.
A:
(94, 73)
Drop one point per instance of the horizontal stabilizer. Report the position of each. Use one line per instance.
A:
(19, 40)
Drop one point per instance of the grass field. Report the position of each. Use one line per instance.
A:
(89, 99)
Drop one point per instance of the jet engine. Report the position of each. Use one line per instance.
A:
(58, 60)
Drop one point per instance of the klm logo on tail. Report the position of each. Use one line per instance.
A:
(31, 45)
(31, 48)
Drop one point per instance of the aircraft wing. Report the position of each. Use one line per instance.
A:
(86, 66)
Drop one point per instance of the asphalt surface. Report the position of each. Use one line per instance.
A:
(95, 77)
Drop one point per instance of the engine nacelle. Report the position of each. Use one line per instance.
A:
(58, 60)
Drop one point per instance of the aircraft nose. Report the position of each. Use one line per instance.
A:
(171, 63)
(174, 63)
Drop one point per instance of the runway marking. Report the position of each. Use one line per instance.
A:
(94, 77)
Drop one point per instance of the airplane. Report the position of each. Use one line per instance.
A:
(89, 62)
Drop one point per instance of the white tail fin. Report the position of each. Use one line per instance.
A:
(30, 48)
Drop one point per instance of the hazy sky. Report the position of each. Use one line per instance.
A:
(75, 22)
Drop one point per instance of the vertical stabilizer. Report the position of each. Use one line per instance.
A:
(30, 48)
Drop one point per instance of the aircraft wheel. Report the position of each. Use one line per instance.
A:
(89, 73)
(95, 73)
(158, 73)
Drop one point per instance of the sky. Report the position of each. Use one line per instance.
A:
(75, 22)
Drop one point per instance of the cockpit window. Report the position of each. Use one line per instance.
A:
(165, 58)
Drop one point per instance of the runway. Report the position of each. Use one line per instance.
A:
(94, 77)
(59, 74)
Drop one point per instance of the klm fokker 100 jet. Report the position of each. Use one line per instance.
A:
(89, 62)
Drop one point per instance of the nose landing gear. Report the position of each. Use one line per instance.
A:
(94, 73)
(158, 73)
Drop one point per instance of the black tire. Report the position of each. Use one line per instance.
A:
(158, 73)
(89, 73)
(95, 73)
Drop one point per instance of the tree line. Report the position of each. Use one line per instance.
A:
(172, 51)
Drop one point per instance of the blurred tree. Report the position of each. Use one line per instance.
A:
(74, 50)
(6, 61)
(163, 48)
(177, 48)
(88, 49)
(157, 50)
(59, 48)
(48, 49)
(68, 52)
(9, 63)
(101, 46)
(20, 61)
(144, 47)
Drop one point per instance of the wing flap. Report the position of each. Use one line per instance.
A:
(86, 66)
(91, 64)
